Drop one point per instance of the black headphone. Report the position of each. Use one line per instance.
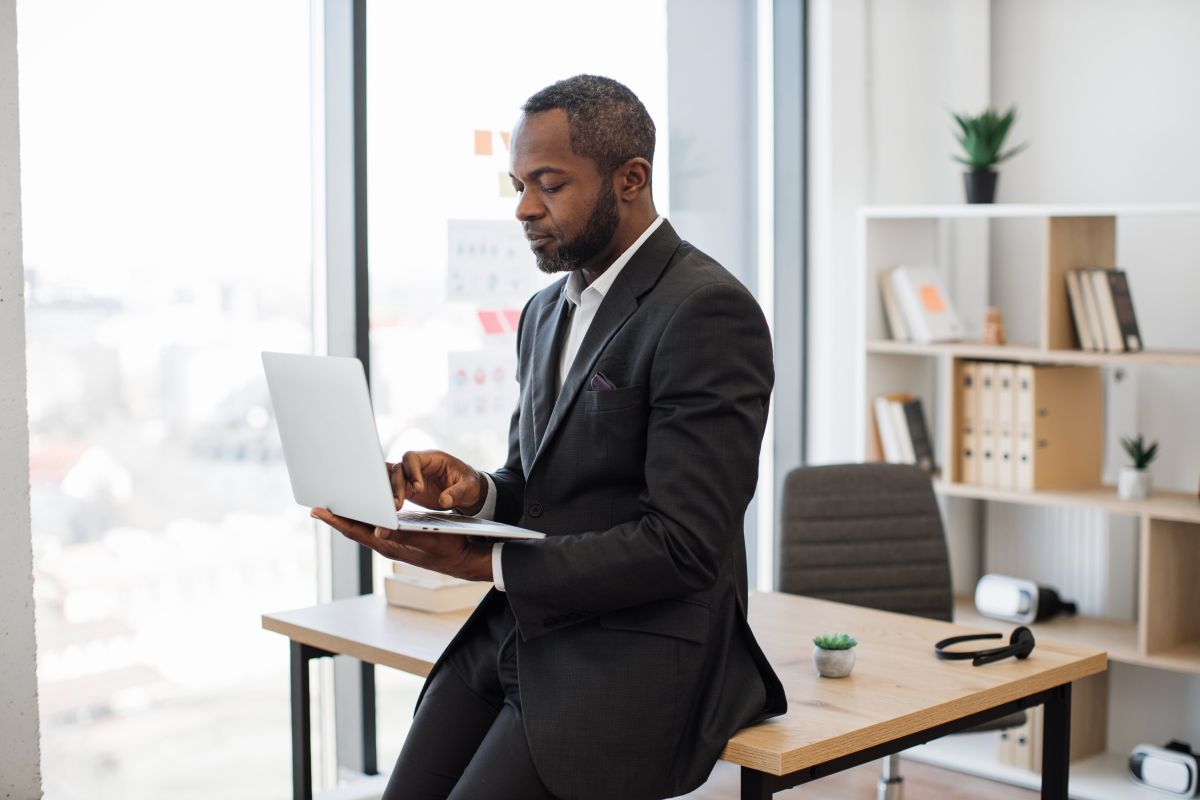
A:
(1020, 645)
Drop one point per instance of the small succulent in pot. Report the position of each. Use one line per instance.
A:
(834, 654)
(1134, 482)
(982, 140)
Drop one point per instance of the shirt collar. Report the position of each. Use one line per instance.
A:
(575, 286)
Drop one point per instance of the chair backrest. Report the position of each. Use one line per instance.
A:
(866, 534)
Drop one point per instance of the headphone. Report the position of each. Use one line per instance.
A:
(1020, 645)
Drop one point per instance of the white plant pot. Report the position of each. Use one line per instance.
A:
(1133, 484)
(833, 663)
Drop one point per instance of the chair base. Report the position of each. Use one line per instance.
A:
(890, 785)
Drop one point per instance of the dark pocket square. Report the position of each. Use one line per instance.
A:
(601, 383)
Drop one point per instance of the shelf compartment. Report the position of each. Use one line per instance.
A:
(1172, 506)
(1168, 592)
(1101, 777)
(1119, 638)
(1033, 354)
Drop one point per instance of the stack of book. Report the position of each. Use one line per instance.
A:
(424, 590)
(1102, 308)
(903, 434)
(917, 307)
(1028, 426)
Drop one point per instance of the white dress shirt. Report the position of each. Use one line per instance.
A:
(585, 300)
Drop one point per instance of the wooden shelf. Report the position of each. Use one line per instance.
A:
(1104, 776)
(1119, 638)
(1176, 506)
(1026, 210)
(1037, 355)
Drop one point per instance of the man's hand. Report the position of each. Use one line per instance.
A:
(449, 554)
(437, 480)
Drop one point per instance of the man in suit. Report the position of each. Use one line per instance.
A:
(613, 659)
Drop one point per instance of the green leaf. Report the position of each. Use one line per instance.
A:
(982, 137)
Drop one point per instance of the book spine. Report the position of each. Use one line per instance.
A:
(1118, 286)
(1078, 314)
(887, 431)
(987, 424)
(1091, 311)
(1108, 311)
(903, 434)
(891, 309)
(918, 431)
(1006, 443)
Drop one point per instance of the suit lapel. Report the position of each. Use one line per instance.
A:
(638, 277)
(548, 342)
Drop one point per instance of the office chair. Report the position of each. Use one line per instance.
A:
(869, 535)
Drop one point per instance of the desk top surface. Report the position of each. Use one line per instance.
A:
(897, 687)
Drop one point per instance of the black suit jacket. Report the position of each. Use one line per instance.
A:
(636, 661)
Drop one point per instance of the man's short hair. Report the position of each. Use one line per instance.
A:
(608, 122)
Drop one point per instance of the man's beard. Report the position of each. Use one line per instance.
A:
(597, 234)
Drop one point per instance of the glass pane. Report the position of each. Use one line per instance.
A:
(165, 172)
(450, 269)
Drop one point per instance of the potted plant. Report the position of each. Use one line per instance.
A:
(834, 654)
(982, 139)
(1134, 482)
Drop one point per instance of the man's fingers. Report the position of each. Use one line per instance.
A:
(459, 493)
(413, 473)
(353, 528)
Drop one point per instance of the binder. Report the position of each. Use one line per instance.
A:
(987, 424)
(1061, 409)
(1023, 405)
(1006, 443)
(968, 429)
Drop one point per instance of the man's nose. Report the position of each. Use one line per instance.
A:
(528, 208)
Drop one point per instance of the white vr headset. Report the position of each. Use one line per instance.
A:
(1171, 769)
(1017, 600)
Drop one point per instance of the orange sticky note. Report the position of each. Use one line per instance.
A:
(931, 298)
(504, 138)
(483, 143)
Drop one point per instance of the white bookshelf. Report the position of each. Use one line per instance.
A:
(954, 238)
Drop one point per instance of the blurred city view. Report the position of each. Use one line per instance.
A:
(168, 239)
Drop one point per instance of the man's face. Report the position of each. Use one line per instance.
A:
(569, 211)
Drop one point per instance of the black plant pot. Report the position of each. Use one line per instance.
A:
(981, 185)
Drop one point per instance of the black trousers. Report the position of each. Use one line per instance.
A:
(467, 741)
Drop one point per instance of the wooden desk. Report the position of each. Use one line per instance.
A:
(898, 696)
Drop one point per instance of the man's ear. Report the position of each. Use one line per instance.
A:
(632, 179)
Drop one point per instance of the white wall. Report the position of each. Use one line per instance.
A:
(20, 775)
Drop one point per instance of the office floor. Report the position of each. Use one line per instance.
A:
(921, 782)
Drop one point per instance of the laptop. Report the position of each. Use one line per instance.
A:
(331, 447)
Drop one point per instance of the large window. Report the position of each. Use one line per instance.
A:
(165, 173)
(450, 268)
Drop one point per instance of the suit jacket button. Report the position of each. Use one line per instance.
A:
(535, 510)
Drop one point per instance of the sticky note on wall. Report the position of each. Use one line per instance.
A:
(483, 143)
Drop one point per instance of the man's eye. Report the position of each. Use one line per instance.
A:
(551, 189)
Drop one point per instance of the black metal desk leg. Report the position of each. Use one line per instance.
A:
(1056, 744)
(754, 785)
(301, 725)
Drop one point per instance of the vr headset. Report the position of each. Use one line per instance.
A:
(1017, 600)
(1172, 769)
